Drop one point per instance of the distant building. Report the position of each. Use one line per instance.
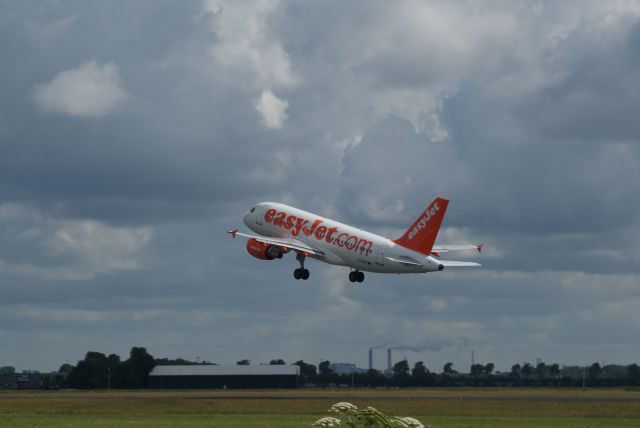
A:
(224, 376)
(345, 368)
(33, 379)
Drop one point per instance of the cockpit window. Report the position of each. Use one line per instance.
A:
(252, 210)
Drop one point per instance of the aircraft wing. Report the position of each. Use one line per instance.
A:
(447, 248)
(292, 244)
(451, 263)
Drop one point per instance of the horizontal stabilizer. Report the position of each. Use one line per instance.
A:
(404, 261)
(447, 248)
(451, 263)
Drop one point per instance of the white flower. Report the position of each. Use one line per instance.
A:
(343, 407)
(326, 422)
(408, 423)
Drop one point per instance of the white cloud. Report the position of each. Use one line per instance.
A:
(68, 249)
(91, 90)
(244, 45)
(96, 247)
(413, 43)
(272, 109)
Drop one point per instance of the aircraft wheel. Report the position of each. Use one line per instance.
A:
(305, 274)
(353, 276)
(360, 276)
(297, 274)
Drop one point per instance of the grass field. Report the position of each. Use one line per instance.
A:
(486, 407)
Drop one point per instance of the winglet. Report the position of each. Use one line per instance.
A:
(233, 233)
(479, 247)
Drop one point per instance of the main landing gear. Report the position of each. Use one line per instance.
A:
(356, 276)
(301, 272)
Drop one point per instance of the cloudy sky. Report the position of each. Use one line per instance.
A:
(134, 134)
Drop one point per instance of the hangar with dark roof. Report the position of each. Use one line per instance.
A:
(224, 376)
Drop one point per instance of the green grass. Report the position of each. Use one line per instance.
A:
(453, 408)
(290, 421)
(156, 421)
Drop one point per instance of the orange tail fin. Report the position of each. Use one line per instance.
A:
(422, 234)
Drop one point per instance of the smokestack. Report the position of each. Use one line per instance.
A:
(370, 358)
(389, 359)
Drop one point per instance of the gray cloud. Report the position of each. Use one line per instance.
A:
(114, 225)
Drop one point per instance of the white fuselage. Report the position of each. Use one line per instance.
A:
(340, 244)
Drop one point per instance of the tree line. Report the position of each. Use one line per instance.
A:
(526, 374)
(100, 371)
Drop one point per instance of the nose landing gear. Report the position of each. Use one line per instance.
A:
(301, 272)
(356, 276)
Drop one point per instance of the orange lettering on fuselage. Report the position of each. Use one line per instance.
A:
(279, 219)
(318, 231)
(300, 223)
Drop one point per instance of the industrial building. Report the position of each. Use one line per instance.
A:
(389, 364)
(224, 376)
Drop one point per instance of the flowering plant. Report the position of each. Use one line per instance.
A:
(368, 417)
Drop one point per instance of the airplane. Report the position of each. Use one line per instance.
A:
(282, 228)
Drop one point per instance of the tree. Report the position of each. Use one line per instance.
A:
(401, 368)
(243, 362)
(516, 372)
(278, 362)
(516, 369)
(139, 364)
(308, 372)
(420, 374)
(447, 372)
(179, 362)
(401, 376)
(90, 373)
(554, 371)
(326, 375)
(633, 374)
(594, 371)
(374, 378)
(116, 372)
(7, 371)
(527, 370)
(541, 371)
(419, 369)
(65, 368)
(448, 369)
(477, 370)
(488, 368)
(306, 369)
(325, 367)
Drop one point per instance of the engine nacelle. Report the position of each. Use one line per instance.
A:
(264, 251)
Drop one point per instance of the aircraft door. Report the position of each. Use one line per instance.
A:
(380, 257)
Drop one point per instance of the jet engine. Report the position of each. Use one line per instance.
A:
(264, 251)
